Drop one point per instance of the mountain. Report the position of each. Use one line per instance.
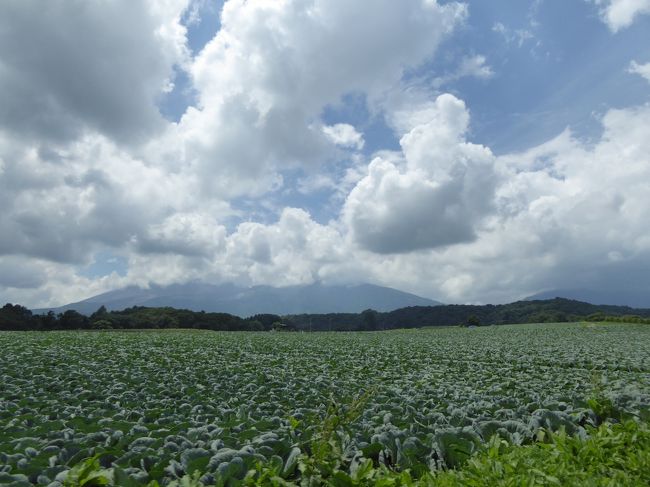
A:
(636, 298)
(241, 301)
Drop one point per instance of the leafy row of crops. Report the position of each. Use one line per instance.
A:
(159, 406)
(611, 455)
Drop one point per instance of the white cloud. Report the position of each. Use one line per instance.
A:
(195, 9)
(87, 163)
(469, 66)
(475, 66)
(20, 273)
(293, 250)
(563, 214)
(265, 78)
(65, 68)
(513, 36)
(316, 182)
(190, 234)
(344, 135)
(619, 14)
(566, 215)
(640, 69)
(436, 197)
(37, 282)
(62, 203)
(564, 207)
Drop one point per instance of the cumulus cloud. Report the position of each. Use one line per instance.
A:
(65, 68)
(565, 214)
(582, 218)
(16, 272)
(62, 203)
(344, 135)
(266, 76)
(35, 282)
(640, 69)
(293, 250)
(437, 196)
(619, 14)
(579, 225)
(87, 163)
(185, 234)
(549, 219)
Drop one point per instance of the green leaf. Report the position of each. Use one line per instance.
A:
(291, 463)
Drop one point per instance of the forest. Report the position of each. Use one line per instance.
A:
(16, 317)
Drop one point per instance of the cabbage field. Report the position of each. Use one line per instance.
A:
(267, 408)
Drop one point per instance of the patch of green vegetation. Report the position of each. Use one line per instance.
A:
(610, 455)
(398, 407)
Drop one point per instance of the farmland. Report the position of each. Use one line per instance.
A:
(160, 405)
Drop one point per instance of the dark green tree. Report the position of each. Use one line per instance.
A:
(369, 319)
(99, 314)
(72, 320)
(473, 321)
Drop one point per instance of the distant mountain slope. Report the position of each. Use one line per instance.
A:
(228, 298)
(636, 298)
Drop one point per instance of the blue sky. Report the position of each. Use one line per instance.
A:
(569, 68)
(554, 65)
(465, 151)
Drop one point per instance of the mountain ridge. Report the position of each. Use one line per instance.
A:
(634, 298)
(242, 301)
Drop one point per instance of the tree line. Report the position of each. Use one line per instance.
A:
(16, 317)
(558, 310)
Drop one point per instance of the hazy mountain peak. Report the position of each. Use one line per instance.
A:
(247, 301)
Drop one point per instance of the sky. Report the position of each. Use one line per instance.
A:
(469, 152)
